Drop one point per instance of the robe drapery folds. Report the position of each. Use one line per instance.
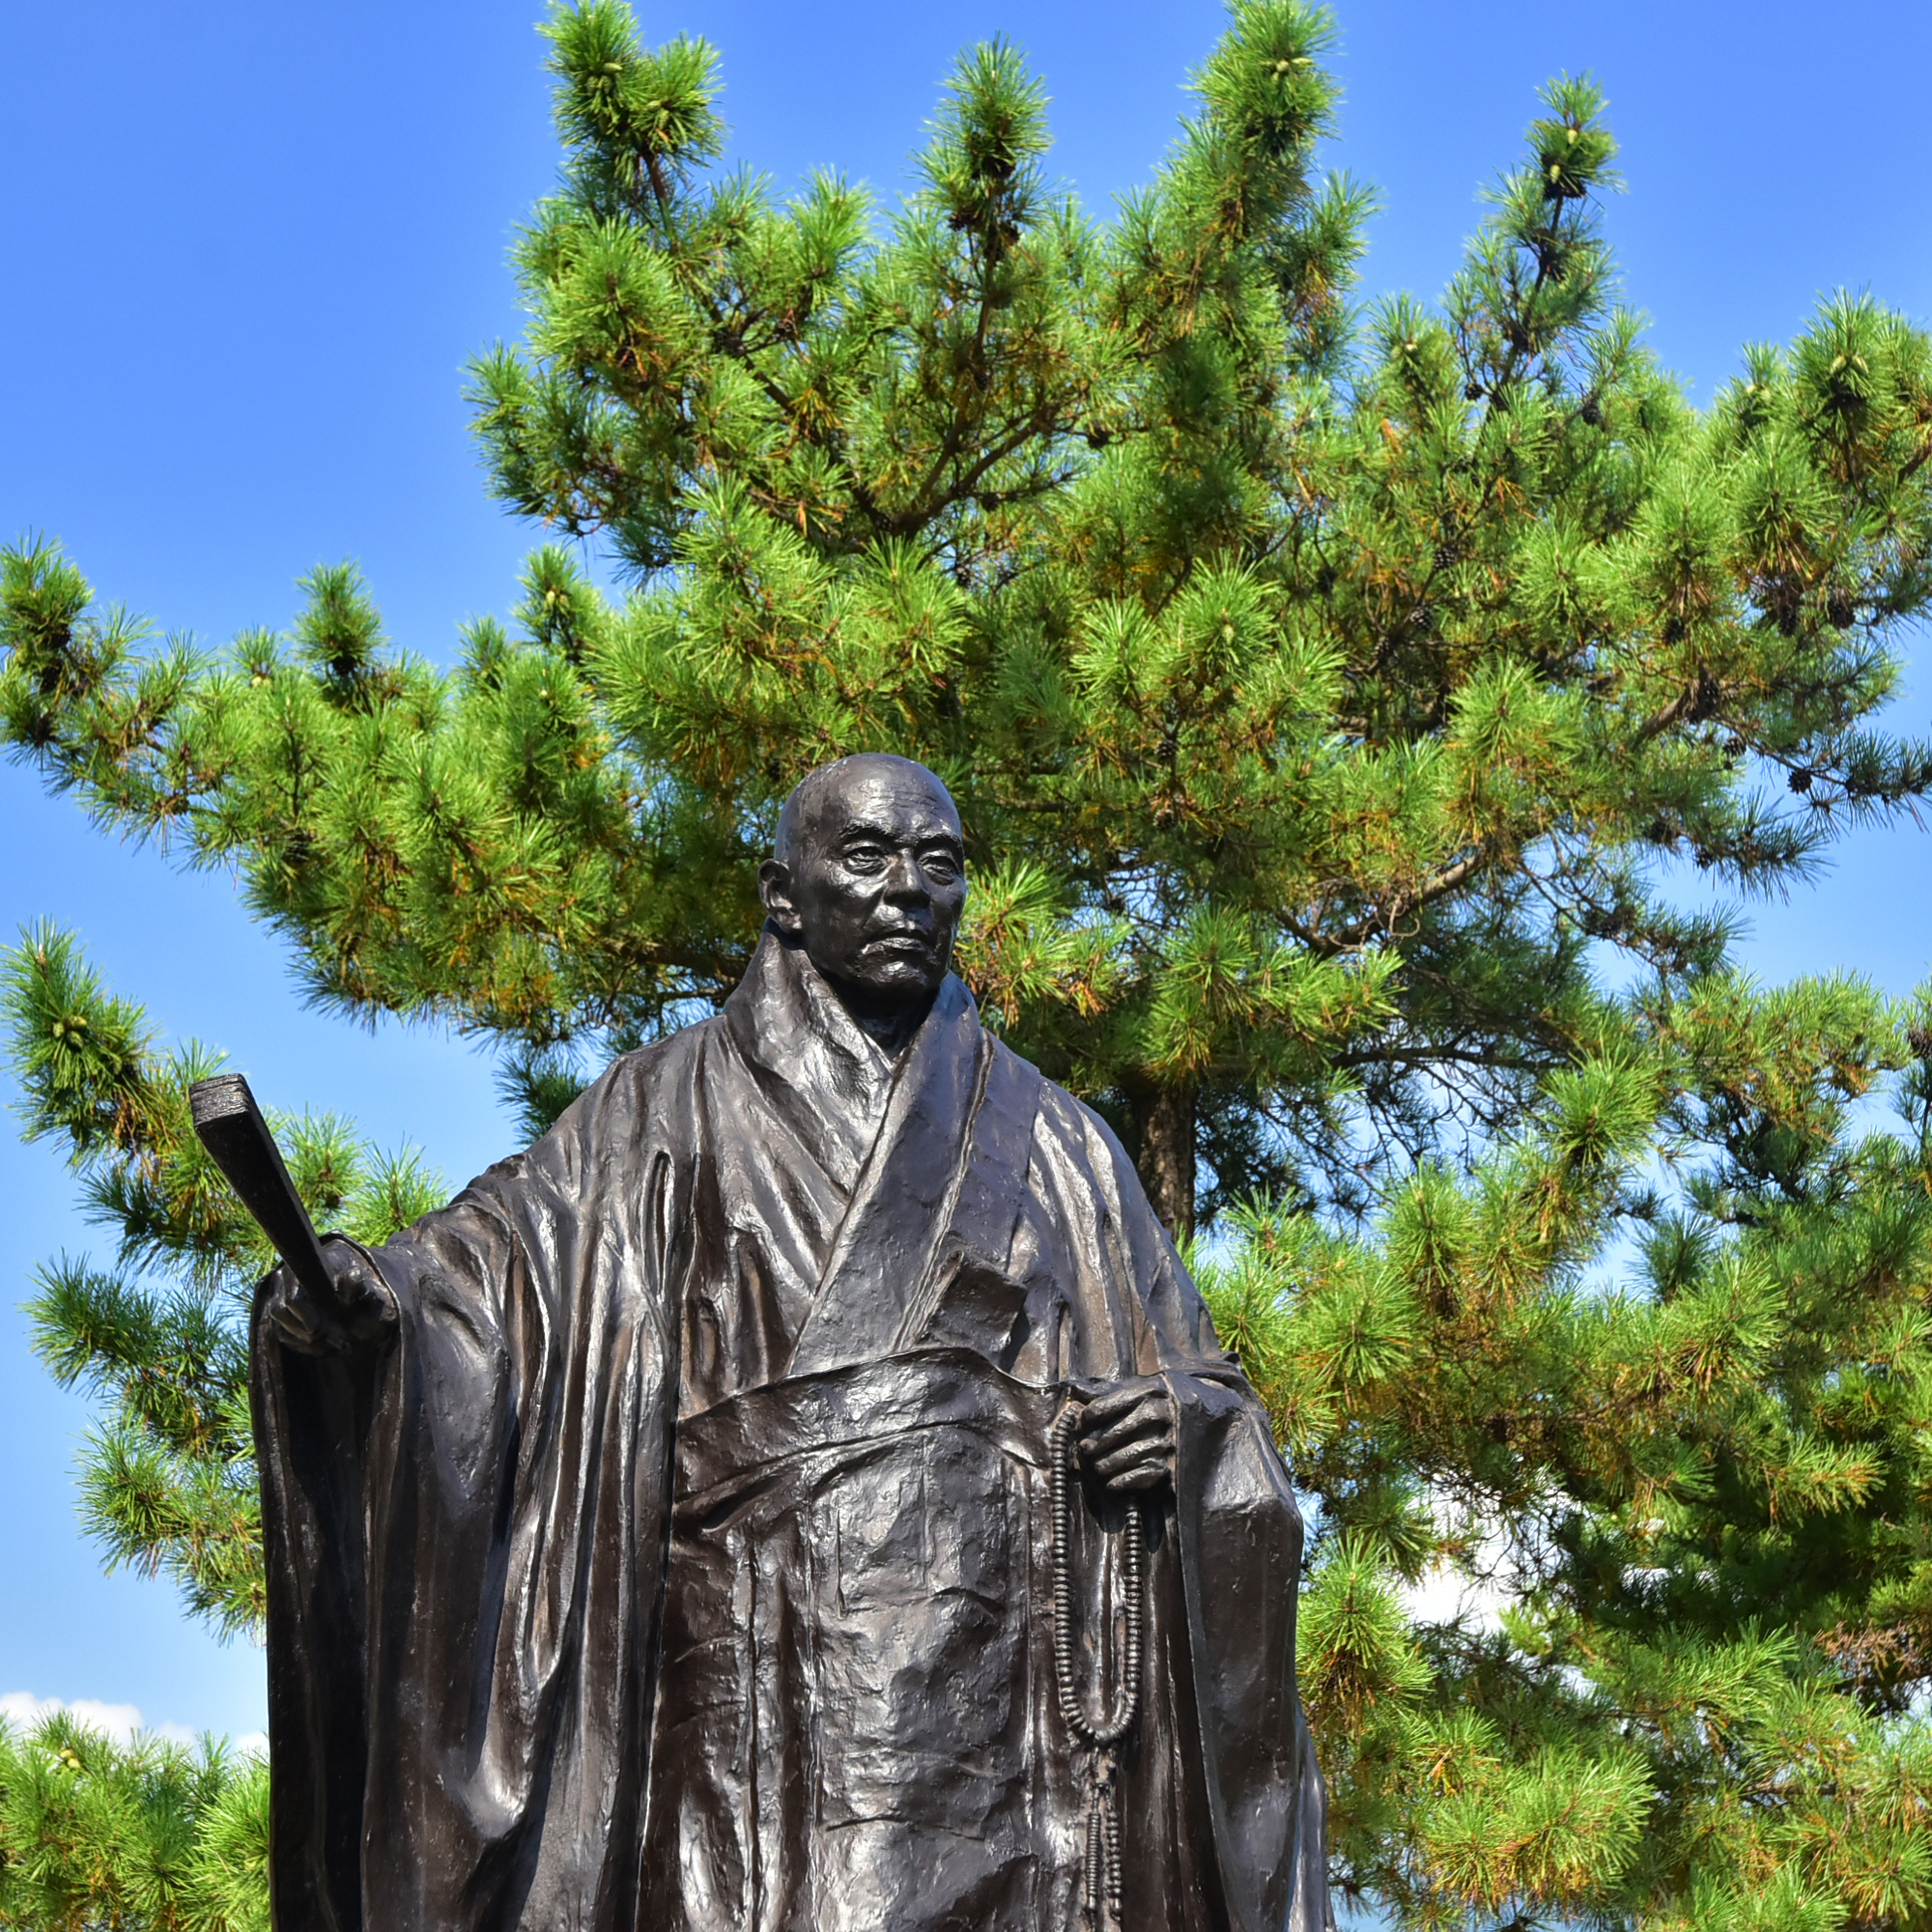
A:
(683, 1558)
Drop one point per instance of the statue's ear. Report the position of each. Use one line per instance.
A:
(774, 888)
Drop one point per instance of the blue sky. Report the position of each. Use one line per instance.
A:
(249, 246)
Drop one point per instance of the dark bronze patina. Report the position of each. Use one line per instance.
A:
(801, 1494)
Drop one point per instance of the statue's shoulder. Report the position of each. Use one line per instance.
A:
(663, 1065)
(645, 1091)
(642, 1100)
(1062, 1114)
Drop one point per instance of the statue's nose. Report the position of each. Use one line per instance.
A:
(904, 880)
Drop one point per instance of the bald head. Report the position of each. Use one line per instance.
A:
(867, 876)
(826, 791)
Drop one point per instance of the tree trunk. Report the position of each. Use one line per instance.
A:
(1165, 1156)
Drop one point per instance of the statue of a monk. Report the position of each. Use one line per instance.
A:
(804, 1492)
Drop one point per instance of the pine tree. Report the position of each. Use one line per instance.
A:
(142, 1837)
(1327, 695)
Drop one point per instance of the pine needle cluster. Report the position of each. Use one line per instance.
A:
(1623, 1588)
(140, 1837)
(1331, 696)
(159, 1337)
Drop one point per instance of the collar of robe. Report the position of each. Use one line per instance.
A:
(902, 1231)
(819, 1067)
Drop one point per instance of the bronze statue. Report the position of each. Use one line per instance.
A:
(803, 1493)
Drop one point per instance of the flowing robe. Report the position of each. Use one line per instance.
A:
(682, 1559)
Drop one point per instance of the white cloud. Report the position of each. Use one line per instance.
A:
(1448, 1594)
(1473, 1591)
(22, 1710)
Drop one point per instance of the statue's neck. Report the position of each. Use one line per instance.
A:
(888, 1024)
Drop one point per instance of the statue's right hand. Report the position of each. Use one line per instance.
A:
(361, 1310)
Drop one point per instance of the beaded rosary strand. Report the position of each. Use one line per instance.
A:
(1099, 1732)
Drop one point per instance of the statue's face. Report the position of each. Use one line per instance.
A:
(875, 883)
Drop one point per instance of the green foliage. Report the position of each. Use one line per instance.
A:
(1383, 660)
(168, 1477)
(1696, 1500)
(146, 1838)
(1329, 695)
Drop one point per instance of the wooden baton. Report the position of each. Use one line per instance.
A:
(230, 1126)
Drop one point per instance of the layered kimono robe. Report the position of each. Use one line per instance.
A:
(683, 1558)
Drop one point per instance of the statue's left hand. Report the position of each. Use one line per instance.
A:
(1126, 1435)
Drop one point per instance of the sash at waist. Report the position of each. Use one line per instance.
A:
(769, 1438)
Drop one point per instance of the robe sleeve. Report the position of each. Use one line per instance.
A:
(1239, 1536)
(464, 1531)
